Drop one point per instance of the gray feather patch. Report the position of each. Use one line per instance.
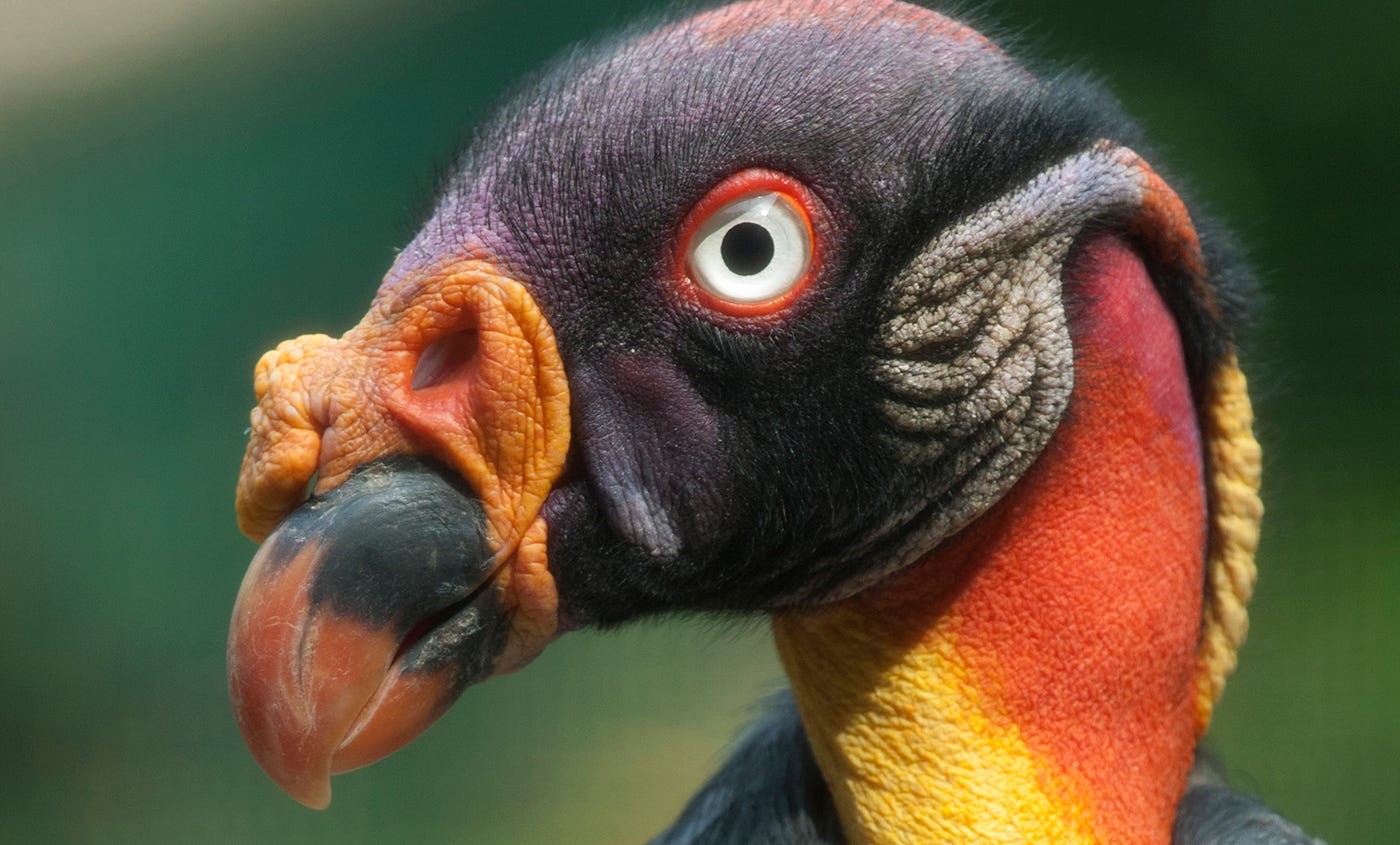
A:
(973, 352)
(1211, 813)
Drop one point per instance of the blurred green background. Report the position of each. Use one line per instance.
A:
(185, 182)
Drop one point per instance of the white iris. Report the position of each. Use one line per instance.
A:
(754, 249)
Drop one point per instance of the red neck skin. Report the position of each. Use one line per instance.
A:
(1074, 604)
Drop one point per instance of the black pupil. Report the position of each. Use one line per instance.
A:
(747, 249)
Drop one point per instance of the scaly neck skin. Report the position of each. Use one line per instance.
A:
(1033, 679)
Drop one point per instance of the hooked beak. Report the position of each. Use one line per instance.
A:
(359, 622)
(419, 567)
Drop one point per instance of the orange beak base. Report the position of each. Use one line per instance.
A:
(360, 621)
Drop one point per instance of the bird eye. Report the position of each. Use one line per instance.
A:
(749, 245)
(751, 250)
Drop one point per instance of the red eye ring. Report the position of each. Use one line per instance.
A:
(739, 186)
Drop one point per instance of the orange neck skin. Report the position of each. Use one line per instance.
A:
(1034, 678)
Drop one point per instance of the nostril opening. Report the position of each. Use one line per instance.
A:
(446, 359)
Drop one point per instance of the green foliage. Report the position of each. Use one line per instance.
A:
(162, 225)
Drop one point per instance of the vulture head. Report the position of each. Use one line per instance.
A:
(823, 309)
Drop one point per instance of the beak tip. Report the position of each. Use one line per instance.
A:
(314, 793)
(301, 772)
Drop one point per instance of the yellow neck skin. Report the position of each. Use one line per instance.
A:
(907, 744)
(1034, 680)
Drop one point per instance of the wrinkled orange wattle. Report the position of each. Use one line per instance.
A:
(458, 364)
(495, 408)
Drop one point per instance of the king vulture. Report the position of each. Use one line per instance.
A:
(823, 309)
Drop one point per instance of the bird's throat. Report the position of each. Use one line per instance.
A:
(1034, 679)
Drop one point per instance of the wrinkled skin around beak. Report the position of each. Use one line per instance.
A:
(434, 430)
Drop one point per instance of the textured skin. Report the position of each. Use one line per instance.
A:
(1236, 463)
(973, 348)
(500, 418)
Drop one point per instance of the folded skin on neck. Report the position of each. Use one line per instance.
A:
(1035, 678)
